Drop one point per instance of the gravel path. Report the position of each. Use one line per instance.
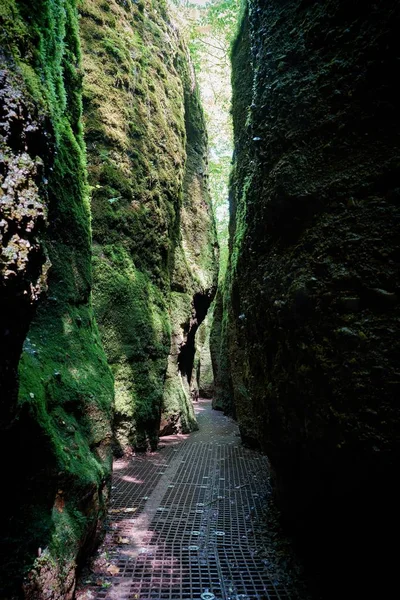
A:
(188, 522)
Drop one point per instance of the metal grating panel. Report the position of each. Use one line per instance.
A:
(181, 523)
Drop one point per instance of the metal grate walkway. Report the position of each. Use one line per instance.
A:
(182, 522)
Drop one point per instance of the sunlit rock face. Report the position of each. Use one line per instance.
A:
(313, 290)
(154, 236)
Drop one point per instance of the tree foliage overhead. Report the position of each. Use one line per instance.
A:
(211, 27)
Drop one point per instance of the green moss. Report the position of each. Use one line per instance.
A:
(135, 329)
(176, 393)
(65, 386)
(61, 389)
(231, 376)
(195, 260)
(205, 370)
(219, 334)
(135, 155)
(177, 402)
(152, 234)
(240, 226)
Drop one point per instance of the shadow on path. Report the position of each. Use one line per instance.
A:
(185, 523)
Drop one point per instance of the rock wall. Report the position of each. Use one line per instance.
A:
(154, 238)
(56, 387)
(309, 329)
(204, 364)
(154, 263)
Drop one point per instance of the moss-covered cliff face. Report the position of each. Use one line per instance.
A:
(312, 314)
(205, 374)
(154, 238)
(56, 387)
(154, 262)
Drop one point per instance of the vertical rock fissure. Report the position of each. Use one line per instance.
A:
(201, 304)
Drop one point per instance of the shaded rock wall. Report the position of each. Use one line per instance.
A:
(220, 358)
(311, 317)
(56, 387)
(204, 360)
(153, 230)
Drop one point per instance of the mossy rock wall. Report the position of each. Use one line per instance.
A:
(154, 238)
(205, 370)
(56, 387)
(311, 302)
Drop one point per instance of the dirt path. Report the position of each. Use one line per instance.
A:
(185, 523)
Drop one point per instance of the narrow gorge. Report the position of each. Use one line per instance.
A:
(127, 299)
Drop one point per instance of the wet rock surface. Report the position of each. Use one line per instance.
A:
(189, 520)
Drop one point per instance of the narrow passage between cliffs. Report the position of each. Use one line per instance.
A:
(186, 523)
